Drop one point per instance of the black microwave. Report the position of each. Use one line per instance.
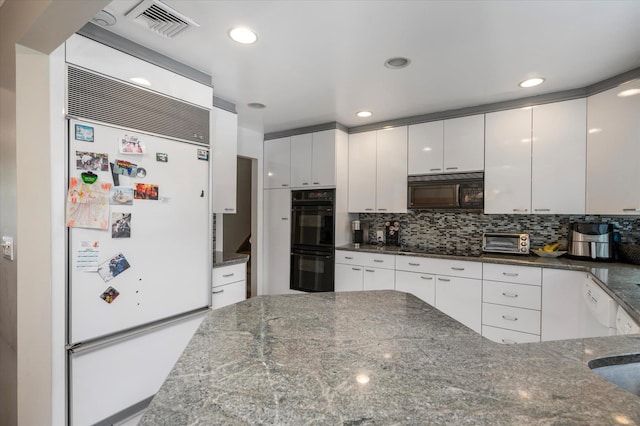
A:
(460, 191)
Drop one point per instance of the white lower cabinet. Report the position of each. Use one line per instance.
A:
(229, 285)
(277, 241)
(420, 285)
(512, 300)
(461, 299)
(357, 271)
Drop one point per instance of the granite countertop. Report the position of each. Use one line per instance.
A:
(620, 280)
(221, 259)
(380, 357)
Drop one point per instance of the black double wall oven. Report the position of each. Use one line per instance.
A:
(312, 240)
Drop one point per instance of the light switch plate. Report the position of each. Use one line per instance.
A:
(7, 247)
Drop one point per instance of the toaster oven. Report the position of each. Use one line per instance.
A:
(510, 243)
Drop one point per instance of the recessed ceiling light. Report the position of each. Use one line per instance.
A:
(141, 80)
(397, 62)
(103, 18)
(243, 35)
(256, 105)
(629, 92)
(532, 82)
(364, 114)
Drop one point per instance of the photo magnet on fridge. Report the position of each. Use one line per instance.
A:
(121, 195)
(84, 133)
(162, 157)
(120, 225)
(125, 168)
(92, 161)
(130, 144)
(203, 154)
(113, 267)
(109, 294)
(146, 191)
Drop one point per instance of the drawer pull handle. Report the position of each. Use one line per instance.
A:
(368, 210)
(227, 209)
(631, 210)
(542, 210)
(514, 295)
(520, 210)
(316, 183)
(285, 184)
(378, 260)
(356, 269)
(508, 341)
(285, 218)
(510, 274)
(457, 269)
(228, 275)
(444, 279)
(369, 270)
(434, 170)
(509, 318)
(348, 257)
(218, 292)
(382, 210)
(451, 168)
(426, 278)
(305, 183)
(414, 264)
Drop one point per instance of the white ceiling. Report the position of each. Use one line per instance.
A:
(322, 61)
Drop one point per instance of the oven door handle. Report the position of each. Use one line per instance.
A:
(312, 253)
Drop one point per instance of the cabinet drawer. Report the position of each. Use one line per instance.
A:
(415, 264)
(512, 274)
(378, 279)
(229, 274)
(518, 319)
(500, 335)
(457, 268)
(375, 260)
(420, 285)
(228, 294)
(518, 295)
(349, 257)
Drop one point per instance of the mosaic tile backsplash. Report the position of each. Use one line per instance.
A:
(462, 231)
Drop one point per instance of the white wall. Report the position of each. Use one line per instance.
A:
(250, 145)
(27, 375)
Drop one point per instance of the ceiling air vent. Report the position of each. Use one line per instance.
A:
(160, 18)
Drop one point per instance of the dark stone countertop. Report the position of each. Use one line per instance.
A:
(620, 280)
(380, 357)
(221, 259)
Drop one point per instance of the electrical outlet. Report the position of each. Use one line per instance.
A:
(380, 236)
(7, 247)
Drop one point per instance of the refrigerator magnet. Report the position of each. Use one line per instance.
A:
(141, 173)
(84, 133)
(146, 191)
(98, 162)
(203, 154)
(121, 195)
(130, 144)
(125, 168)
(113, 267)
(162, 157)
(109, 294)
(120, 225)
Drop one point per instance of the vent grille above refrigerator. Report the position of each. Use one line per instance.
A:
(95, 97)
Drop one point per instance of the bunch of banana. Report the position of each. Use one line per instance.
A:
(551, 247)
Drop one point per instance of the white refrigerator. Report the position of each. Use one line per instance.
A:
(139, 264)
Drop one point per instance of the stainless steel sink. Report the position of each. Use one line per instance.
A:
(621, 370)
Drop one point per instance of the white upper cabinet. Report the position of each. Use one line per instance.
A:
(323, 160)
(613, 151)
(277, 163)
(426, 148)
(507, 179)
(391, 167)
(559, 153)
(362, 172)
(301, 152)
(464, 144)
(224, 154)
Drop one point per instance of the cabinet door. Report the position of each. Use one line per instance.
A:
(613, 151)
(301, 152)
(422, 286)
(228, 294)
(559, 158)
(507, 179)
(277, 240)
(464, 144)
(224, 158)
(362, 172)
(277, 163)
(323, 167)
(561, 304)
(348, 277)
(425, 147)
(378, 279)
(461, 299)
(391, 177)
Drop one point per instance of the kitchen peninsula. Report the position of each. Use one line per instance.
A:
(380, 357)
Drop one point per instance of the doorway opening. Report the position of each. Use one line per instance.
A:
(239, 228)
